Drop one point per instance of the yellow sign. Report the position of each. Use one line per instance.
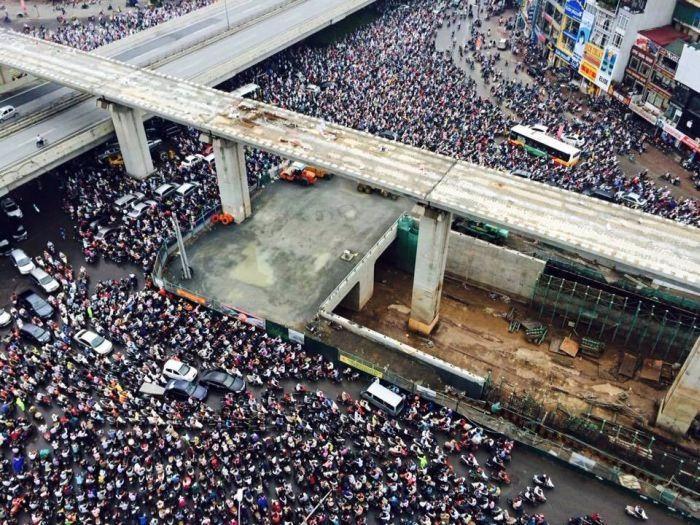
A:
(592, 57)
(360, 366)
(192, 297)
(587, 71)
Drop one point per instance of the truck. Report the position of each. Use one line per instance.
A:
(304, 173)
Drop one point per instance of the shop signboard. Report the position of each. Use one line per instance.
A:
(582, 37)
(566, 58)
(590, 65)
(646, 115)
(607, 66)
(574, 9)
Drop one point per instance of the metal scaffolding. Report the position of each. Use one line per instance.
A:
(647, 324)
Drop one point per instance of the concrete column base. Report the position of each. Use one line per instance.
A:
(422, 328)
(681, 405)
(128, 125)
(233, 179)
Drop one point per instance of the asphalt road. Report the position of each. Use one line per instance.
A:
(21, 145)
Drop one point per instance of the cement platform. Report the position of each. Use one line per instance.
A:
(284, 261)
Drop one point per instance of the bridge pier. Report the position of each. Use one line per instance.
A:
(232, 176)
(131, 134)
(431, 257)
(681, 404)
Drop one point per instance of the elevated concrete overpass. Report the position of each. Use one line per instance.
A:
(208, 46)
(625, 239)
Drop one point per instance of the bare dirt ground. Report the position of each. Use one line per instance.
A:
(473, 334)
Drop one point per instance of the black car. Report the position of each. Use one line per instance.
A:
(5, 244)
(183, 390)
(35, 304)
(35, 334)
(221, 380)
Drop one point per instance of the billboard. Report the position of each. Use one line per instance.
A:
(574, 9)
(582, 37)
(607, 66)
(688, 70)
(592, 59)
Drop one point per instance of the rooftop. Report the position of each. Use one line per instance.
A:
(665, 35)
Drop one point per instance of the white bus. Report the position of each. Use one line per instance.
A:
(538, 143)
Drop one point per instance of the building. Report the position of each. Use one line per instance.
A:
(680, 124)
(593, 38)
(686, 18)
(649, 78)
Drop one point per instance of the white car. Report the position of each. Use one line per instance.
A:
(139, 209)
(22, 261)
(573, 140)
(7, 112)
(633, 199)
(44, 281)
(186, 189)
(123, 202)
(175, 369)
(5, 318)
(192, 160)
(92, 341)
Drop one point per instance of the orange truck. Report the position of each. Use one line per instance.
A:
(303, 173)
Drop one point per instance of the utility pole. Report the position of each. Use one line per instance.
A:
(228, 23)
(186, 270)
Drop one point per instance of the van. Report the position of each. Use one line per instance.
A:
(7, 112)
(502, 44)
(383, 398)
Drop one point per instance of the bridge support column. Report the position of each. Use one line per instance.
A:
(233, 178)
(681, 404)
(431, 257)
(128, 125)
(362, 292)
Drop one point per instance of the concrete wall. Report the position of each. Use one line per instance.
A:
(493, 267)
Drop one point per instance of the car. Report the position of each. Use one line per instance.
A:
(186, 189)
(521, 173)
(573, 140)
(7, 112)
(5, 244)
(35, 334)
(222, 380)
(18, 232)
(10, 208)
(44, 281)
(154, 143)
(602, 194)
(192, 160)
(35, 304)
(93, 341)
(104, 233)
(123, 202)
(502, 44)
(174, 369)
(139, 209)
(164, 191)
(210, 159)
(632, 199)
(183, 390)
(5, 318)
(21, 261)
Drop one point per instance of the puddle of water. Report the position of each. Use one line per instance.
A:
(253, 269)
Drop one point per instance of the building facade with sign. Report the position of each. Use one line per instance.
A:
(594, 38)
(649, 79)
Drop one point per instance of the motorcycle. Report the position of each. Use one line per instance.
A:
(534, 496)
(543, 480)
(501, 477)
(636, 512)
(591, 519)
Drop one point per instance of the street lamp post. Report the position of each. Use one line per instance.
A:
(228, 22)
